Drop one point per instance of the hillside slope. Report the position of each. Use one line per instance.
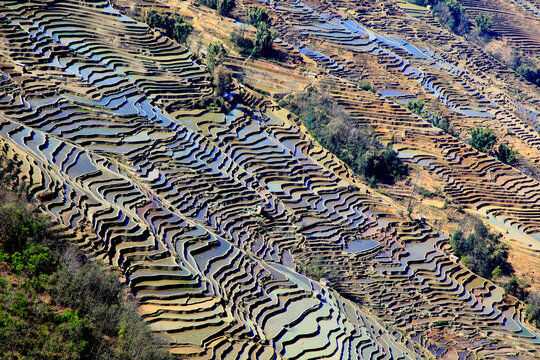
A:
(211, 215)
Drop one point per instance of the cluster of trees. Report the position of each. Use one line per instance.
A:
(55, 304)
(416, 106)
(442, 122)
(481, 251)
(484, 139)
(452, 15)
(357, 147)
(529, 73)
(173, 25)
(223, 7)
(520, 63)
(264, 37)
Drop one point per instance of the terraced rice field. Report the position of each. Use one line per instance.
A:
(450, 86)
(210, 215)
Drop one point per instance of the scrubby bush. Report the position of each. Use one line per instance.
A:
(364, 85)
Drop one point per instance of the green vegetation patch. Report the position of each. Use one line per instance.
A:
(357, 147)
(223, 7)
(484, 139)
(529, 73)
(481, 251)
(173, 25)
(54, 303)
(264, 37)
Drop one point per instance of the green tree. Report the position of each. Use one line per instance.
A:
(484, 23)
(215, 54)
(181, 30)
(257, 15)
(224, 7)
(483, 139)
(263, 39)
(416, 106)
(506, 154)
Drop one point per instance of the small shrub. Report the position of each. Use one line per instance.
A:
(364, 85)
